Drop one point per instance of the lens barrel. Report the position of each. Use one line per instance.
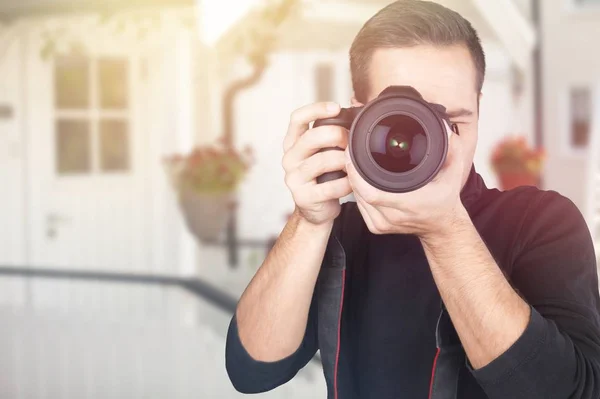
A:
(399, 142)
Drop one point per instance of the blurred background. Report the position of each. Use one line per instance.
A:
(116, 279)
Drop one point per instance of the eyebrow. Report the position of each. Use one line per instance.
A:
(458, 113)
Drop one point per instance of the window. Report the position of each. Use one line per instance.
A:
(92, 115)
(580, 112)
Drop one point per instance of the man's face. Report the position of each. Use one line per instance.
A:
(443, 75)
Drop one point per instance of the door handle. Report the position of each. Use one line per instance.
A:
(52, 221)
(56, 218)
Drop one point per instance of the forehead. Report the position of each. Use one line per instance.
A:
(443, 75)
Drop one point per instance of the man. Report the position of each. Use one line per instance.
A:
(450, 291)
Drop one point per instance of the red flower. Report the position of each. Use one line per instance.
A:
(212, 168)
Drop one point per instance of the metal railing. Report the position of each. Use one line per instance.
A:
(56, 354)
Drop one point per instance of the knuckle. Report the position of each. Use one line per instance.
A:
(323, 194)
(305, 166)
(340, 159)
(380, 227)
(285, 144)
(289, 181)
(285, 163)
(300, 198)
(373, 229)
(335, 134)
(327, 190)
(295, 116)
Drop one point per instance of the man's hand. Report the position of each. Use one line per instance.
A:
(430, 209)
(303, 163)
(273, 313)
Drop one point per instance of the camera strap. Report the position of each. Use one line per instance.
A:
(449, 359)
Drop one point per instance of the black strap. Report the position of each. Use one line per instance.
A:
(450, 359)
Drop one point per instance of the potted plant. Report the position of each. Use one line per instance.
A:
(516, 164)
(206, 181)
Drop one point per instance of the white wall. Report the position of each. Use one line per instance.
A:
(569, 58)
(263, 116)
(499, 116)
(12, 142)
(13, 171)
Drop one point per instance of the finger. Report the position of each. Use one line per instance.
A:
(377, 218)
(454, 158)
(320, 163)
(331, 190)
(369, 194)
(366, 217)
(312, 142)
(455, 147)
(374, 213)
(302, 117)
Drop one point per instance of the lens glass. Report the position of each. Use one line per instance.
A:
(398, 143)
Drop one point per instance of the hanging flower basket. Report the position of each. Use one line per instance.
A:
(516, 164)
(206, 182)
(206, 215)
(509, 180)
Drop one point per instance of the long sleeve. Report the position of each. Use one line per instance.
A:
(251, 376)
(554, 270)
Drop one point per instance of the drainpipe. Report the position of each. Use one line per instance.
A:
(538, 78)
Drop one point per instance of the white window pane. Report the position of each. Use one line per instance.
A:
(73, 147)
(581, 116)
(114, 145)
(71, 83)
(113, 83)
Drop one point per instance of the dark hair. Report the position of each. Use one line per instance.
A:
(407, 23)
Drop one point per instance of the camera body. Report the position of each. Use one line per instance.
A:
(398, 142)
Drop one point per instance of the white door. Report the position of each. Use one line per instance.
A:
(98, 127)
(87, 162)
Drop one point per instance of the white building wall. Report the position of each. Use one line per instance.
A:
(570, 38)
(263, 114)
(12, 144)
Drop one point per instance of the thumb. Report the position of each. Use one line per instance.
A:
(455, 149)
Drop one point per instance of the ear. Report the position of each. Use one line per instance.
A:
(356, 103)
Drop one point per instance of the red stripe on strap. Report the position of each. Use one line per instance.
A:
(437, 354)
(337, 353)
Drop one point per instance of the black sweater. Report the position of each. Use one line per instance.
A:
(391, 305)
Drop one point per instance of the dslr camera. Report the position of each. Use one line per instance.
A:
(398, 142)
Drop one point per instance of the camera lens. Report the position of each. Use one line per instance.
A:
(398, 143)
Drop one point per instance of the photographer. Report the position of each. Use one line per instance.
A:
(451, 290)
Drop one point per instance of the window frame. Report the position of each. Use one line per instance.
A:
(94, 114)
(566, 147)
